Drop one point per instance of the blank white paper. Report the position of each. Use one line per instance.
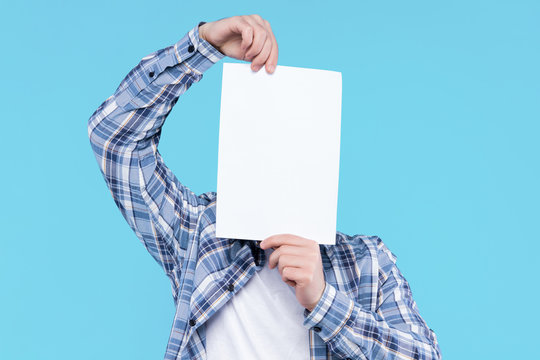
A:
(278, 160)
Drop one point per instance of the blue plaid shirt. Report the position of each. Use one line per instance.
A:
(366, 311)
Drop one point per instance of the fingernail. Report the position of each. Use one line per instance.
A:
(271, 68)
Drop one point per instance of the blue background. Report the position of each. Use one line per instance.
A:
(439, 157)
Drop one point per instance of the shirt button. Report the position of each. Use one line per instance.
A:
(231, 287)
(317, 329)
(192, 322)
(151, 74)
(191, 48)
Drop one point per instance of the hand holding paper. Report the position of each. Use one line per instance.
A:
(299, 262)
(247, 38)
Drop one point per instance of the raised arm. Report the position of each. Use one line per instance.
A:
(125, 130)
(124, 134)
(394, 330)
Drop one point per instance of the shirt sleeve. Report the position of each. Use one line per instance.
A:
(124, 133)
(394, 331)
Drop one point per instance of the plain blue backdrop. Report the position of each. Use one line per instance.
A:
(439, 157)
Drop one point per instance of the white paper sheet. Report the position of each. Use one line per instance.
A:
(278, 160)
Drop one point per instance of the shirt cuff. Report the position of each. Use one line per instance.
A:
(196, 53)
(331, 313)
(190, 55)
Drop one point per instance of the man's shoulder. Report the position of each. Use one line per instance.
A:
(207, 204)
(361, 243)
(367, 246)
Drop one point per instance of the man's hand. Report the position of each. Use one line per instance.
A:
(248, 38)
(300, 265)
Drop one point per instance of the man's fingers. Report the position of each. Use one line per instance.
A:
(288, 260)
(261, 59)
(247, 37)
(243, 38)
(257, 18)
(265, 57)
(259, 38)
(258, 43)
(246, 30)
(271, 62)
(294, 275)
(281, 239)
(290, 250)
(292, 261)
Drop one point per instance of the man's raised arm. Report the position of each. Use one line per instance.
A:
(124, 133)
(125, 130)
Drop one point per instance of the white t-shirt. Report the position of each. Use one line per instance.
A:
(263, 320)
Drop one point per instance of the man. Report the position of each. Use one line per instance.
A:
(286, 297)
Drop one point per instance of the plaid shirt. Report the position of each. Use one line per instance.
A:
(366, 311)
